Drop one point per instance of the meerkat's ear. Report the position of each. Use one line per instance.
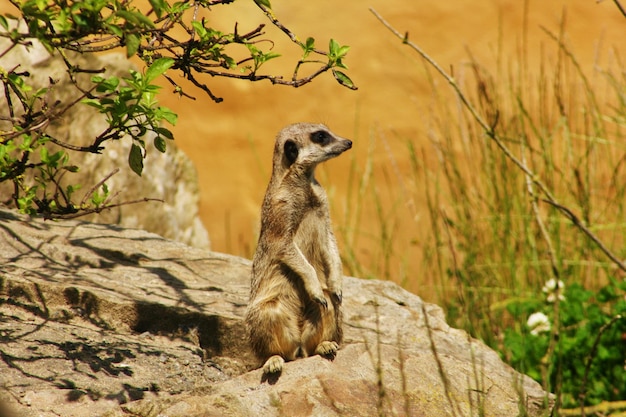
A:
(291, 151)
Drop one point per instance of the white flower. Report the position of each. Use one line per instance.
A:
(538, 323)
(551, 289)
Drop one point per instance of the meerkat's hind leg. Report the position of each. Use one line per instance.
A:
(273, 365)
(327, 348)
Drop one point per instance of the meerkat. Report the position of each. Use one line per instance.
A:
(296, 286)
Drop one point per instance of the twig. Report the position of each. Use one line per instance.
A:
(98, 184)
(576, 221)
(554, 331)
(9, 48)
(177, 88)
(270, 15)
(542, 228)
(377, 363)
(203, 87)
(102, 208)
(442, 373)
(594, 348)
(605, 408)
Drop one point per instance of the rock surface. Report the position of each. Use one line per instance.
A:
(98, 320)
(170, 176)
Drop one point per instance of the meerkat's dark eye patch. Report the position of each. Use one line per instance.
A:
(321, 137)
(291, 151)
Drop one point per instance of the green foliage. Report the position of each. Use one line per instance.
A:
(335, 60)
(131, 109)
(167, 37)
(587, 361)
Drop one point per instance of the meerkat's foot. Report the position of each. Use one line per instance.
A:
(273, 365)
(327, 348)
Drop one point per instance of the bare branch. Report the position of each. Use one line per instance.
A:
(576, 221)
(102, 208)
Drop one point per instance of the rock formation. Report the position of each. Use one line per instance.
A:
(98, 320)
(170, 176)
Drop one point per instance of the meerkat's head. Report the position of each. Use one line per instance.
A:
(307, 145)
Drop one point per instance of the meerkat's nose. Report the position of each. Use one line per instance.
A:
(349, 143)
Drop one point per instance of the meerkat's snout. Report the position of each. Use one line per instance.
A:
(334, 145)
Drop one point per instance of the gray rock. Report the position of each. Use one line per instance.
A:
(98, 320)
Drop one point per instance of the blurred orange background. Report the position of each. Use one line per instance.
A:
(231, 142)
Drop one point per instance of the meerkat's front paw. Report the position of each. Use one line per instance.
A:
(327, 348)
(319, 298)
(335, 284)
(273, 365)
(321, 301)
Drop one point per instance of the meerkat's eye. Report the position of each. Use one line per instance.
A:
(321, 137)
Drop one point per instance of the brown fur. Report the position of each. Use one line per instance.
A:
(295, 298)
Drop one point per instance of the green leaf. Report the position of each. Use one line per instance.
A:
(343, 51)
(70, 189)
(4, 23)
(199, 29)
(270, 55)
(51, 160)
(135, 159)
(333, 47)
(116, 30)
(141, 18)
(157, 68)
(168, 115)
(111, 83)
(43, 154)
(97, 199)
(265, 3)
(106, 84)
(158, 6)
(79, 20)
(179, 7)
(135, 18)
(164, 132)
(132, 44)
(160, 144)
(308, 47)
(41, 4)
(344, 80)
(340, 64)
